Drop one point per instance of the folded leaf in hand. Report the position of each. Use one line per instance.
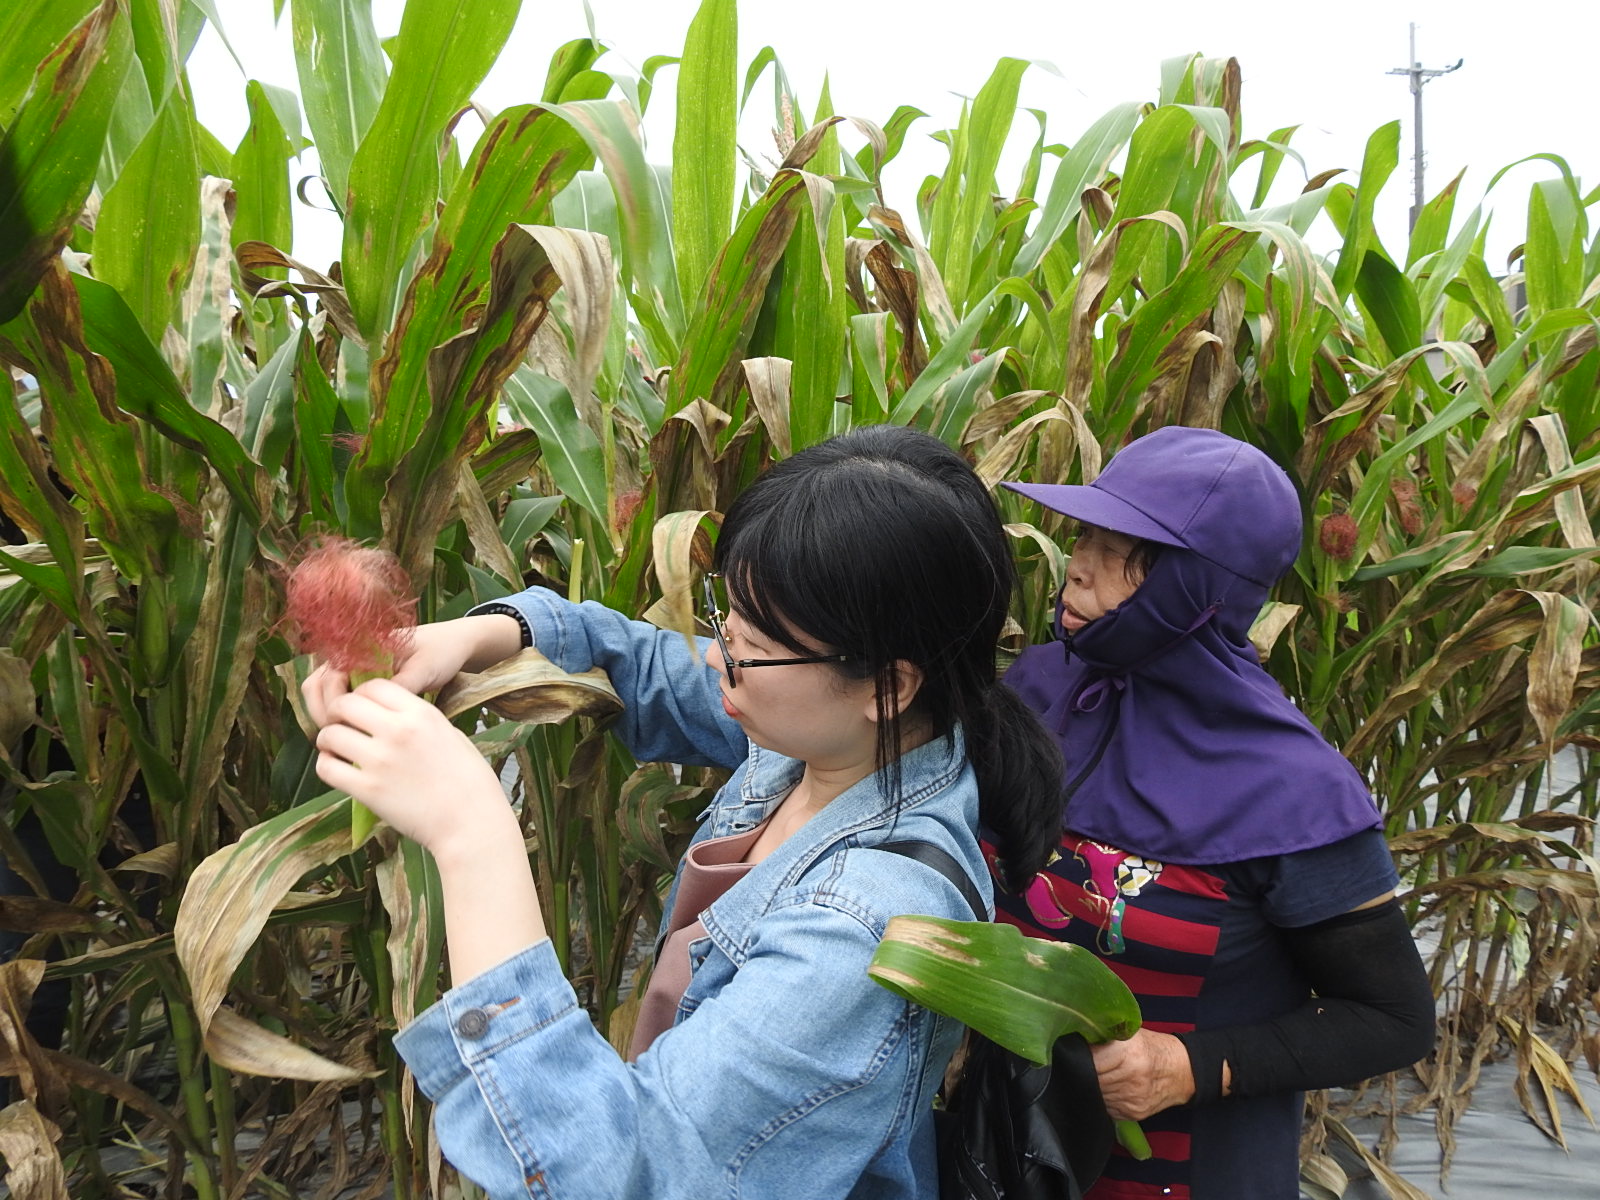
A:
(1020, 992)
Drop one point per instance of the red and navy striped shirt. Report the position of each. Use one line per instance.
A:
(1199, 948)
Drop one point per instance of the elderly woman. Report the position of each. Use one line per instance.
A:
(1216, 852)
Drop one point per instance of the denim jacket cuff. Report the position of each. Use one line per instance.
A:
(473, 1022)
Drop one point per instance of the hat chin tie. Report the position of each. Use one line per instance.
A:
(1101, 681)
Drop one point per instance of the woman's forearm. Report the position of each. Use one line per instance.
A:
(1373, 1012)
(491, 907)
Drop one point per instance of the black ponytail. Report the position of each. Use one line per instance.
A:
(884, 544)
(1019, 770)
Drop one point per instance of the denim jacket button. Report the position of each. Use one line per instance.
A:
(473, 1023)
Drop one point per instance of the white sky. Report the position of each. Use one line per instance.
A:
(1526, 86)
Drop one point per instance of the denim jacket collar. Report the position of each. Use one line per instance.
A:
(862, 814)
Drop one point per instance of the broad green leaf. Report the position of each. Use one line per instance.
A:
(963, 213)
(1553, 255)
(951, 359)
(147, 388)
(149, 223)
(611, 130)
(444, 50)
(94, 446)
(572, 452)
(703, 145)
(1381, 158)
(708, 368)
(1021, 993)
(568, 62)
(524, 158)
(29, 31)
(52, 147)
(261, 176)
(1082, 166)
(1389, 300)
(342, 75)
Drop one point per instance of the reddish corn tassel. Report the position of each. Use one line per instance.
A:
(350, 605)
(1337, 536)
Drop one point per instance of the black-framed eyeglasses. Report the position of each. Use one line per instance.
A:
(714, 619)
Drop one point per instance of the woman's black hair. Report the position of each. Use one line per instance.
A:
(883, 544)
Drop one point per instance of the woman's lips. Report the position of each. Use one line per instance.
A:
(1072, 619)
(730, 709)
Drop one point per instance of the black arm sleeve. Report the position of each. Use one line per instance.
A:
(1373, 1012)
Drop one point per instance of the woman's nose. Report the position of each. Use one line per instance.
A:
(713, 659)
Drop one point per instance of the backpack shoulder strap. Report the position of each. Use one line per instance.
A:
(943, 862)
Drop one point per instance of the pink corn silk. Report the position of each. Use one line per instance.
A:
(350, 605)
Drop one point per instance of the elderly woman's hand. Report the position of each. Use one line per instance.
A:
(1143, 1075)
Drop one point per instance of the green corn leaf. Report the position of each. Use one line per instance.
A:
(611, 130)
(29, 31)
(1021, 993)
(1390, 303)
(703, 145)
(342, 73)
(149, 223)
(53, 144)
(1553, 256)
(1381, 158)
(147, 388)
(572, 453)
(261, 176)
(524, 159)
(708, 368)
(94, 446)
(963, 213)
(951, 359)
(1083, 165)
(444, 50)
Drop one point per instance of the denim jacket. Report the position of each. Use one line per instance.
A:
(788, 1073)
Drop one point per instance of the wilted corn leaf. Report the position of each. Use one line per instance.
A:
(239, 1044)
(1553, 664)
(1537, 1057)
(1269, 625)
(23, 1057)
(229, 898)
(528, 687)
(652, 804)
(769, 392)
(681, 548)
(1022, 993)
(1323, 1178)
(27, 1143)
(1397, 1188)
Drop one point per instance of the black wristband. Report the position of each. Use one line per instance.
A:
(496, 608)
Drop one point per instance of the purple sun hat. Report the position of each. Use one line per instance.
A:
(1196, 488)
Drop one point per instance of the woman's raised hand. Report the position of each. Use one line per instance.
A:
(398, 755)
(434, 655)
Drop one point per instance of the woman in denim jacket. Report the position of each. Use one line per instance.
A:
(868, 579)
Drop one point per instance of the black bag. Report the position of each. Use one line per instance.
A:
(1011, 1129)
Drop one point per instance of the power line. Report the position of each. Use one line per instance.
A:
(1419, 76)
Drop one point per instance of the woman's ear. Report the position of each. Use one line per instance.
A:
(906, 680)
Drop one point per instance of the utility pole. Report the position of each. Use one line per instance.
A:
(1418, 77)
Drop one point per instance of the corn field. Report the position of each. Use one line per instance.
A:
(546, 357)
